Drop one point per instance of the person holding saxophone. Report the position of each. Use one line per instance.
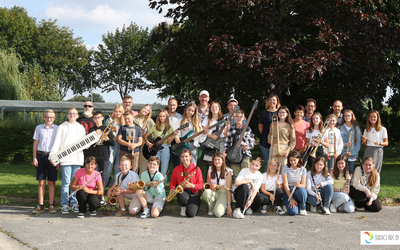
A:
(153, 193)
(120, 189)
(186, 183)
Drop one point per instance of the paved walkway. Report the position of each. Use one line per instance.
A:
(171, 231)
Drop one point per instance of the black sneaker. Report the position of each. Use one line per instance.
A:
(81, 215)
(92, 213)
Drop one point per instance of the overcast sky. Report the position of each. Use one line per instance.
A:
(90, 19)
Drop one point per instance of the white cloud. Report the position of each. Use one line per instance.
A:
(100, 18)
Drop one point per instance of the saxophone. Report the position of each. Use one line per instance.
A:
(141, 184)
(113, 199)
(179, 188)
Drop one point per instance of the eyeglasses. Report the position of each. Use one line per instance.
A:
(88, 106)
(97, 117)
(311, 106)
(48, 117)
(72, 114)
(152, 164)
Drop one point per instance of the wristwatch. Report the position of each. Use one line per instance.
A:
(228, 205)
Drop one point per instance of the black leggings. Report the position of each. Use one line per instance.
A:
(190, 200)
(242, 193)
(278, 197)
(85, 198)
(360, 200)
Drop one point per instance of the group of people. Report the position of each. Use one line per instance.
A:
(139, 149)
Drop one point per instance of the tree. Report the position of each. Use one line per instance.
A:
(41, 85)
(96, 98)
(11, 81)
(121, 62)
(53, 47)
(57, 49)
(322, 49)
(78, 98)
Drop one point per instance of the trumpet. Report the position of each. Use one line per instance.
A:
(106, 132)
(321, 135)
(332, 142)
(113, 199)
(179, 188)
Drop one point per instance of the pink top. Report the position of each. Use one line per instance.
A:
(83, 178)
(301, 134)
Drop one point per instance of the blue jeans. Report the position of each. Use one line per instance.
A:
(163, 155)
(300, 196)
(329, 163)
(326, 195)
(351, 165)
(68, 173)
(114, 161)
(265, 153)
(343, 200)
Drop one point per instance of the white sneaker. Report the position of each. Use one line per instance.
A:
(64, 209)
(284, 209)
(249, 211)
(210, 213)
(264, 209)
(313, 209)
(145, 214)
(238, 214)
(279, 210)
(75, 208)
(183, 211)
(303, 212)
(333, 208)
(327, 211)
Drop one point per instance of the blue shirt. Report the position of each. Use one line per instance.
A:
(126, 131)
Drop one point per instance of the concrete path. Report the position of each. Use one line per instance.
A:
(171, 231)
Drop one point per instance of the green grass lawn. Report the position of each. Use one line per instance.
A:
(20, 180)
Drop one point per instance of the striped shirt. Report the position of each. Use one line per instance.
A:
(294, 175)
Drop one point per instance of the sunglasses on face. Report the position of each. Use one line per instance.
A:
(87, 106)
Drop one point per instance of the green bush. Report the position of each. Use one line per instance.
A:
(16, 141)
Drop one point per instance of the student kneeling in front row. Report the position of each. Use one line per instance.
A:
(124, 177)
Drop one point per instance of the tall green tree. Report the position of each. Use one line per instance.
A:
(11, 81)
(53, 47)
(327, 50)
(41, 85)
(121, 61)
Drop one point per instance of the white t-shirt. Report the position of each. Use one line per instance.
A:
(205, 124)
(131, 177)
(246, 174)
(221, 181)
(309, 135)
(375, 136)
(269, 184)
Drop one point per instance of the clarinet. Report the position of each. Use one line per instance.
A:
(318, 194)
(248, 198)
(294, 188)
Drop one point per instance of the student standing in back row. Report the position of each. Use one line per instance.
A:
(247, 144)
(130, 139)
(68, 133)
(43, 139)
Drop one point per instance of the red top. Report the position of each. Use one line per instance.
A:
(178, 173)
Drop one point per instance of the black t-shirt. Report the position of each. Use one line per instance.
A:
(86, 122)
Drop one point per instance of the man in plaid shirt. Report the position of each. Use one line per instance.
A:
(247, 142)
